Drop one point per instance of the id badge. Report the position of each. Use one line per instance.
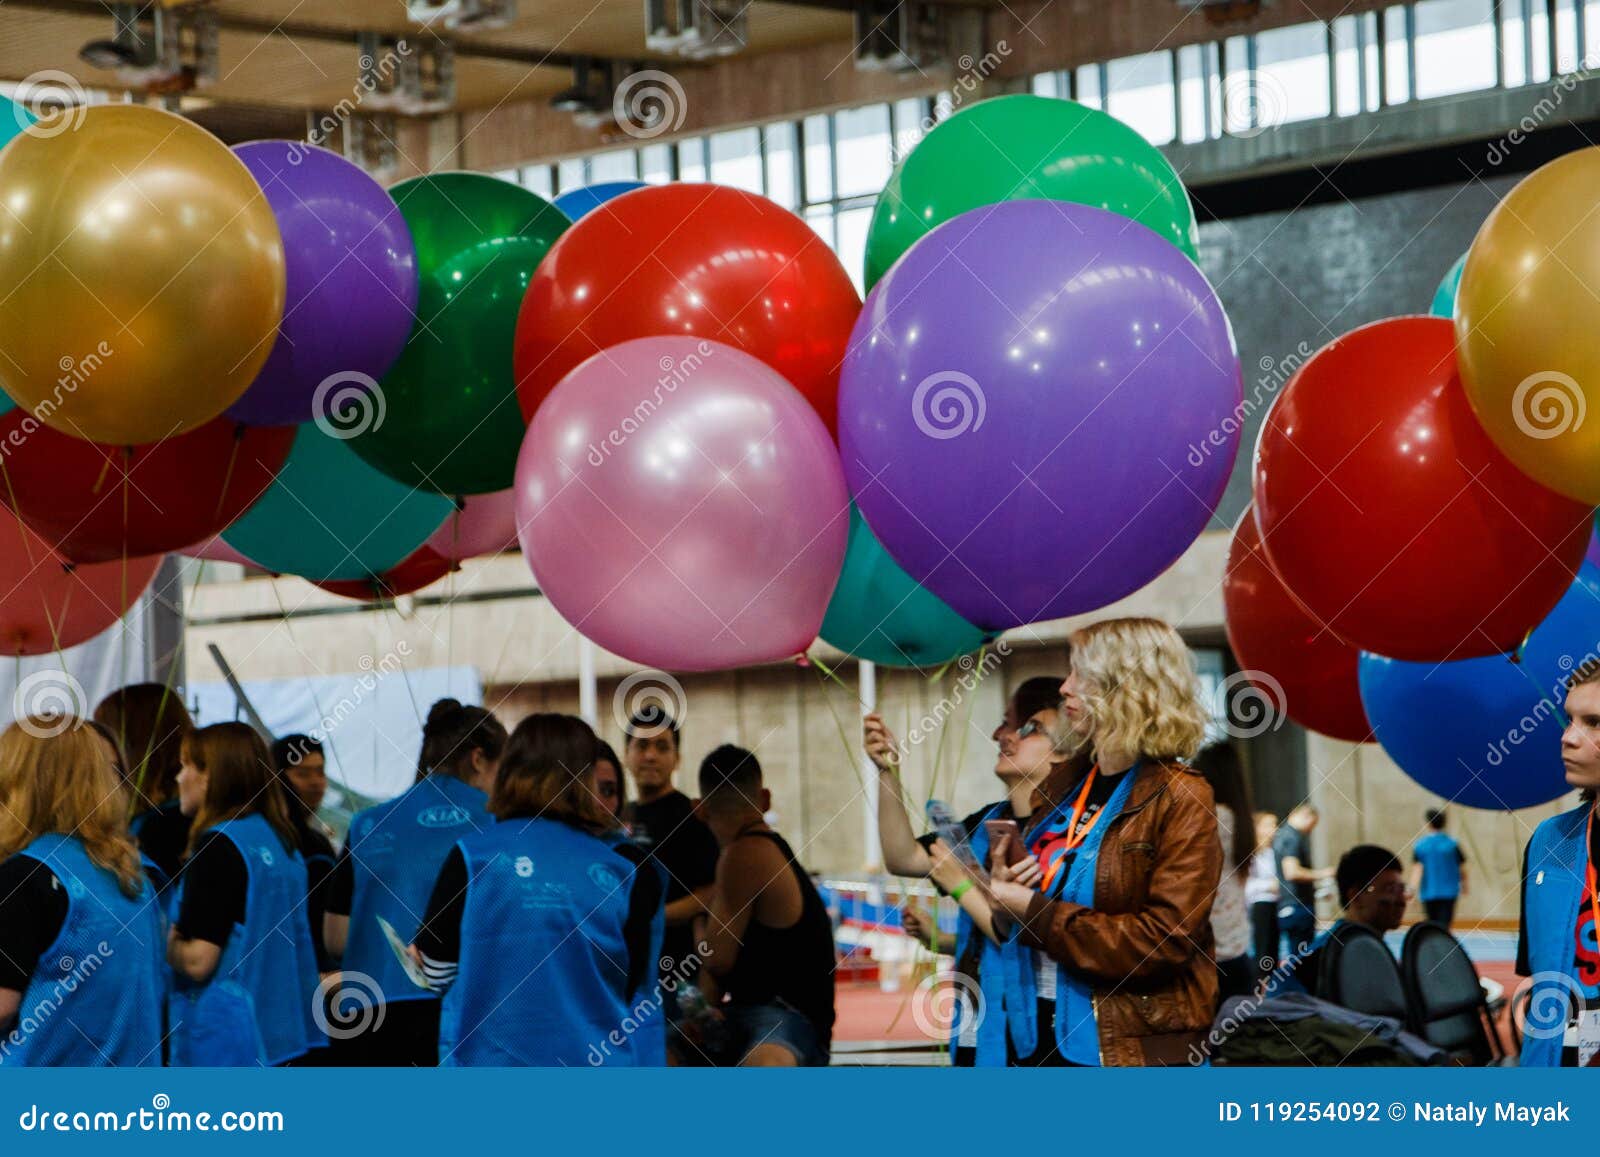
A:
(1584, 1035)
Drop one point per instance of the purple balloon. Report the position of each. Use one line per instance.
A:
(351, 273)
(1038, 410)
(1592, 555)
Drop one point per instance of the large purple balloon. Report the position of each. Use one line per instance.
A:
(1037, 412)
(351, 280)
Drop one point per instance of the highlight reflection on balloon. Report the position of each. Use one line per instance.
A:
(144, 274)
(700, 532)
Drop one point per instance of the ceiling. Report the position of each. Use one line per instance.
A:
(293, 54)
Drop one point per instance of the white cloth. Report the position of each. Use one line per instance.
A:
(1261, 886)
(1044, 975)
(1230, 923)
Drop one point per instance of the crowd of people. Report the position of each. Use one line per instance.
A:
(168, 894)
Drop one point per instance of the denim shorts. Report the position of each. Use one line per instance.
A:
(776, 1024)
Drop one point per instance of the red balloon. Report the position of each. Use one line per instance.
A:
(1390, 514)
(702, 260)
(1284, 649)
(420, 568)
(97, 502)
(46, 605)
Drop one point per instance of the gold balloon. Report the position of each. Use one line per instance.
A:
(1528, 325)
(141, 274)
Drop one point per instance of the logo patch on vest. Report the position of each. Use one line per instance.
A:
(605, 876)
(446, 815)
(266, 857)
(523, 866)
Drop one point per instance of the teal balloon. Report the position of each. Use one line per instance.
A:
(329, 515)
(14, 120)
(1444, 298)
(880, 613)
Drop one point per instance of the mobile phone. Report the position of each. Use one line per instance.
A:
(998, 830)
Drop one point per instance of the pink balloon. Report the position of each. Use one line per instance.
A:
(682, 505)
(214, 549)
(483, 524)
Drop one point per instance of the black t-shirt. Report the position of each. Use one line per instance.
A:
(668, 832)
(317, 851)
(215, 885)
(338, 895)
(33, 909)
(1288, 841)
(1043, 838)
(163, 834)
(440, 935)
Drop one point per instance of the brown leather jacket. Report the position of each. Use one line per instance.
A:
(1145, 948)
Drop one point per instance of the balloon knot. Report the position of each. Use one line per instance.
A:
(802, 660)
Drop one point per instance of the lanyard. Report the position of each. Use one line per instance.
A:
(1073, 837)
(1594, 894)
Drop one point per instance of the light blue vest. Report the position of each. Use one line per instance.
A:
(396, 850)
(261, 1004)
(1558, 858)
(1441, 867)
(95, 995)
(543, 971)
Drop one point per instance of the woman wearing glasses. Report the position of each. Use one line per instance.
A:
(1115, 892)
(1026, 759)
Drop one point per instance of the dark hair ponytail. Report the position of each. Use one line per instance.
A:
(450, 736)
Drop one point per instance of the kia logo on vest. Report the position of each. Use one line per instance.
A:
(266, 857)
(523, 866)
(605, 876)
(443, 816)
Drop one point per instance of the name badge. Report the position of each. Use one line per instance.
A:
(1583, 1034)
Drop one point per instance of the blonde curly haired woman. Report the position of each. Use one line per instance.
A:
(81, 976)
(1114, 894)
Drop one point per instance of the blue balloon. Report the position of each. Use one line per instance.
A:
(329, 515)
(879, 613)
(576, 202)
(1486, 733)
(1444, 298)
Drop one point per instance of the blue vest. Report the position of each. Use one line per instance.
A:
(261, 1004)
(95, 995)
(999, 967)
(396, 850)
(1558, 858)
(543, 970)
(1441, 867)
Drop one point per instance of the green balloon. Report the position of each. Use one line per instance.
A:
(329, 515)
(880, 613)
(450, 418)
(1025, 147)
(1444, 298)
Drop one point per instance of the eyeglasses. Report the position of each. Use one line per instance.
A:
(1392, 892)
(1031, 727)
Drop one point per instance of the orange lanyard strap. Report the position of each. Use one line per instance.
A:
(1072, 837)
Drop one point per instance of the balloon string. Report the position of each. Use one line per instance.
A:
(849, 748)
(27, 548)
(405, 675)
(150, 744)
(227, 475)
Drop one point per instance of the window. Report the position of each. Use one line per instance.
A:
(1569, 52)
(619, 165)
(1199, 92)
(1291, 74)
(783, 178)
(1396, 55)
(912, 119)
(1139, 93)
(692, 160)
(539, 179)
(1514, 43)
(1591, 34)
(736, 159)
(852, 226)
(1358, 89)
(569, 175)
(863, 150)
(819, 158)
(655, 164)
(820, 218)
(1091, 85)
(509, 175)
(1048, 84)
(1455, 46)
